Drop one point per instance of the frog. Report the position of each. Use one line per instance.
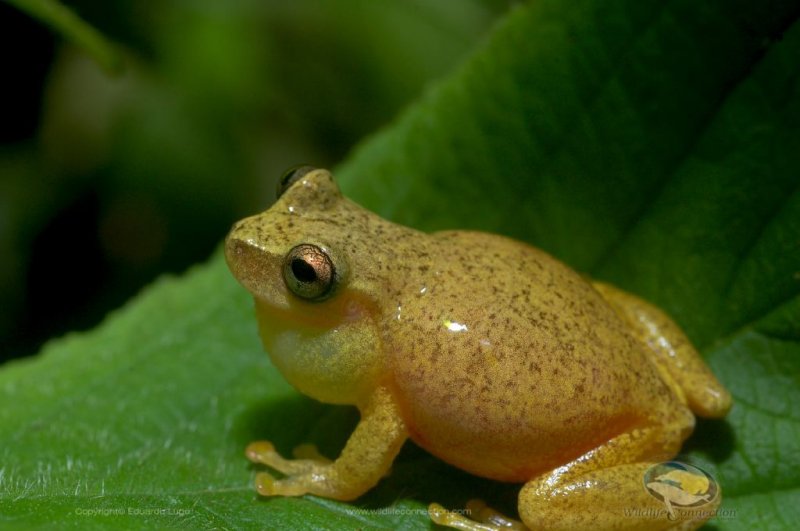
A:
(486, 352)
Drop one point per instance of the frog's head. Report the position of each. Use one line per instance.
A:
(310, 262)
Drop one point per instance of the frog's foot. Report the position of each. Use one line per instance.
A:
(308, 456)
(300, 473)
(309, 452)
(483, 518)
(267, 485)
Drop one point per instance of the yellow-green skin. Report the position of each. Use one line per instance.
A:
(491, 354)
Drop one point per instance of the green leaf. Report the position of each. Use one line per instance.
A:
(650, 144)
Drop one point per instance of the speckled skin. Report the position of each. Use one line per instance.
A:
(487, 352)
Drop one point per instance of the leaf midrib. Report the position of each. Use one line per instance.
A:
(698, 134)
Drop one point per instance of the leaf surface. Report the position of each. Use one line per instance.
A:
(650, 144)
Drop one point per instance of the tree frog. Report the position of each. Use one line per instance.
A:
(485, 351)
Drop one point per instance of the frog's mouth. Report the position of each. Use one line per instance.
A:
(313, 317)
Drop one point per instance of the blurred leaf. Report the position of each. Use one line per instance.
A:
(20, 210)
(648, 143)
(64, 21)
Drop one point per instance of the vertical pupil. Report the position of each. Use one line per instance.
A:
(302, 271)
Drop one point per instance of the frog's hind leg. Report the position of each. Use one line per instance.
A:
(611, 498)
(481, 518)
(681, 366)
(605, 489)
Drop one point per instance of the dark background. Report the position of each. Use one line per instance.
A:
(107, 182)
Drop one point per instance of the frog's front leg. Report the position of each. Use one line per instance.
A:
(365, 459)
(307, 457)
(681, 366)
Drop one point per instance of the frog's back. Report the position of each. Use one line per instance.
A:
(509, 363)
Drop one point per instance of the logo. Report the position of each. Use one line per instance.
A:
(680, 485)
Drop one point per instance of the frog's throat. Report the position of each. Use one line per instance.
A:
(336, 364)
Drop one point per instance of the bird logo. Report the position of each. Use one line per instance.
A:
(677, 484)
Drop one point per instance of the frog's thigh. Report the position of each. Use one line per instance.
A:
(610, 498)
(604, 489)
(673, 353)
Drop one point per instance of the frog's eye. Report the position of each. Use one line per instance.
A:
(292, 176)
(309, 272)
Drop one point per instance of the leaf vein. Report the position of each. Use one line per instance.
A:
(696, 136)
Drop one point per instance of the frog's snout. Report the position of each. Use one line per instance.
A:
(247, 261)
